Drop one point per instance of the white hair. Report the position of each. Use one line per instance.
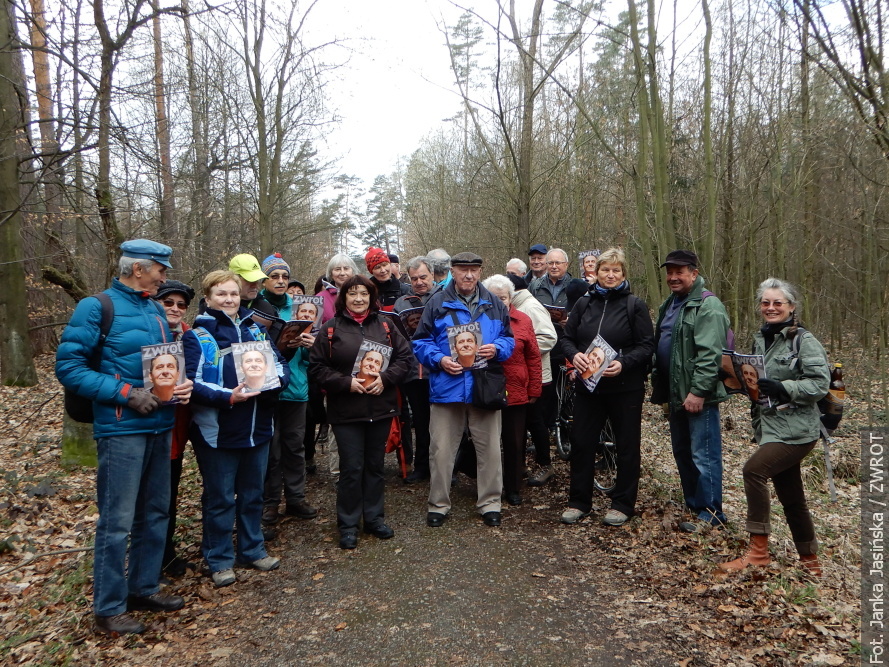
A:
(498, 282)
(518, 264)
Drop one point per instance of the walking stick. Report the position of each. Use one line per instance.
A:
(825, 437)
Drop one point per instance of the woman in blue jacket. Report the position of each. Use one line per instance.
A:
(231, 429)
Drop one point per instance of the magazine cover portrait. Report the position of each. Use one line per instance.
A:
(464, 341)
(255, 365)
(163, 367)
(306, 307)
(371, 360)
(748, 369)
(600, 354)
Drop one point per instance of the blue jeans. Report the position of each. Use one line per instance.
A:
(697, 448)
(133, 489)
(233, 483)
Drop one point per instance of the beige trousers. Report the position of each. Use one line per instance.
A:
(446, 424)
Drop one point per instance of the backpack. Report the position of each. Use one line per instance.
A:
(78, 407)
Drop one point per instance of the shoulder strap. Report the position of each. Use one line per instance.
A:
(107, 316)
(795, 344)
(388, 332)
(454, 316)
(330, 340)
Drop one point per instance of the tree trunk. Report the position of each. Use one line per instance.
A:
(16, 360)
(169, 227)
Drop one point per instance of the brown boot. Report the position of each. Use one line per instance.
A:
(810, 564)
(757, 554)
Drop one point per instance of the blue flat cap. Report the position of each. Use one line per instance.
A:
(145, 249)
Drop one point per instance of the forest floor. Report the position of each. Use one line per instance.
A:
(532, 592)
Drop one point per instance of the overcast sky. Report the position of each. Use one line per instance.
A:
(395, 88)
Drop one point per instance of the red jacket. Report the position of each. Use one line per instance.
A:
(183, 419)
(524, 373)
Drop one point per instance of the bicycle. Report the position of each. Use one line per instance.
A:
(605, 477)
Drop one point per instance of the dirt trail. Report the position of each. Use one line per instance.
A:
(463, 594)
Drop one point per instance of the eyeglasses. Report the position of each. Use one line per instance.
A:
(169, 303)
(555, 263)
(280, 276)
(776, 304)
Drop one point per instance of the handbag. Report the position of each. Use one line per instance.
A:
(489, 387)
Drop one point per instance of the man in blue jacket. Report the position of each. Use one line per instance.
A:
(450, 387)
(132, 431)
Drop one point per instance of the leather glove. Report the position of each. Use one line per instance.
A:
(773, 389)
(142, 401)
(723, 375)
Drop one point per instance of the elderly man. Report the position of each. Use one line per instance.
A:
(132, 431)
(516, 267)
(537, 259)
(690, 334)
(416, 387)
(252, 278)
(557, 291)
(450, 387)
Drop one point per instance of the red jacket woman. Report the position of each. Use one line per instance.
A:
(524, 384)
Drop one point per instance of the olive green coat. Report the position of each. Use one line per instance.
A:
(806, 381)
(695, 350)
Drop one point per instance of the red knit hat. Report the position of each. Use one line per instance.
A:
(375, 257)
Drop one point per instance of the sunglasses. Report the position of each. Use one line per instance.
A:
(169, 303)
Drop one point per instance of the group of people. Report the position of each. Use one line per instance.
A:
(421, 393)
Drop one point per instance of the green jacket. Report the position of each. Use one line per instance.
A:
(695, 350)
(807, 382)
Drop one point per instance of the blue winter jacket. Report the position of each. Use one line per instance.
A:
(138, 320)
(217, 422)
(430, 342)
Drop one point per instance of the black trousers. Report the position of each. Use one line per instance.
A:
(359, 492)
(315, 415)
(590, 412)
(417, 392)
(539, 420)
(512, 434)
(175, 476)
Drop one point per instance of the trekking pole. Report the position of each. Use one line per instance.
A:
(825, 437)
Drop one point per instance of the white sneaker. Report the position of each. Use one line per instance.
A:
(615, 518)
(573, 515)
(266, 564)
(224, 578)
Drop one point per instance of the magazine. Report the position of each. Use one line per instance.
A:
(557, 313)
(394, 321)
(730, 381)
(581, 257)
(273, 325)
(601, 354)
(410, 318)
(464, 341)
(255, 365)
(748, 369)
(163, 367)
(306, 307)
(372, 359)
(292, 330)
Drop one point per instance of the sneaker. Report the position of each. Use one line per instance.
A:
(541, 477)
(266, 564)
(573, 515)
(696, 527)
(224, 578)
(615, 517)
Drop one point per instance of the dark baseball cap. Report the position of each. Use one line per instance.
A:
(174, 287)
(466, 259)
(681, 258)
(537, 247)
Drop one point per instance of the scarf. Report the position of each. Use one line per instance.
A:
(605, 291)
(358, 318)
(770, 330)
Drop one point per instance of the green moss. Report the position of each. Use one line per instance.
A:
(78, 446)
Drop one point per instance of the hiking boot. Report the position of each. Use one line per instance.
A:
(573, 515)
(270, 515)
(348, 541)
(811, 565)
(380, 531)
(757, 554)
(302, 510)
(156, 602)
(177, 567)
(615, 517)
(699, 527)
(513, 499)
(541, 477)
(224, 578)
(122, 624)
(492, 519)
(416, 476)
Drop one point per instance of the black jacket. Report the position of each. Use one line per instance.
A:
(332, 358)
(625, 325)
(390, 291)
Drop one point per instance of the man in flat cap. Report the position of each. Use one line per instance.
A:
(462, 301)
(690, 335)
(132, 431)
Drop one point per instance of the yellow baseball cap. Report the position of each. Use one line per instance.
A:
(247, 266)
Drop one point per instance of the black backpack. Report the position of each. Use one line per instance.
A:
(79, 408)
